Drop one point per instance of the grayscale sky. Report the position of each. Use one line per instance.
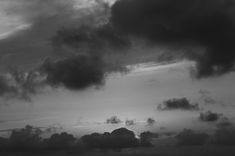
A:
(43, 36)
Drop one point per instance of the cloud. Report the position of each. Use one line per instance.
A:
(113, 120)
(27, 48)
(188, 23)
(63, 32)
(20, 85)
(224, 122)
(5, 88)
(178, 104)
(88, 37)
(105, 37)
(74, 73)
(150, 121)
(206, 97)
(206, 23)
(130, 122)
(210, 116)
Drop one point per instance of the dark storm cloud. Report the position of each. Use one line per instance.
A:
(208, 23)
(89, 38)
(52, 24)
(210, 116)
(74, 73)
(177, 104)
(55, 29)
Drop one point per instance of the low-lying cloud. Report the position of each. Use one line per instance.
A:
(178, 104)
(130, 122)
(113, 120)
(20, 85)
(150, 121)
(209, 116)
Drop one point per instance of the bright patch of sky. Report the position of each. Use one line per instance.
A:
(12, 23)
(9, 24)
(131, 96)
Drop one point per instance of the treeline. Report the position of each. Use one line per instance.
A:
(29, 139)
(221, 137)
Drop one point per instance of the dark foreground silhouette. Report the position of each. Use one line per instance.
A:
(28, 141)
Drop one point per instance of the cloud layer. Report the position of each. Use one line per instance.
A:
(210, 116)
(85, 42)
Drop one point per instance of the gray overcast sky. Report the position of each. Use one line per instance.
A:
(26, 27)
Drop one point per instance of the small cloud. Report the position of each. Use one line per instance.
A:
(224, 122)
(74, 73)
(113, 120)
(130, 122)
(53, 128)
(20, 85)
(150, 121)
(205, 96)
(210, 116)
(178, 104)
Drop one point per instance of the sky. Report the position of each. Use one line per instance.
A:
(76, 63)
